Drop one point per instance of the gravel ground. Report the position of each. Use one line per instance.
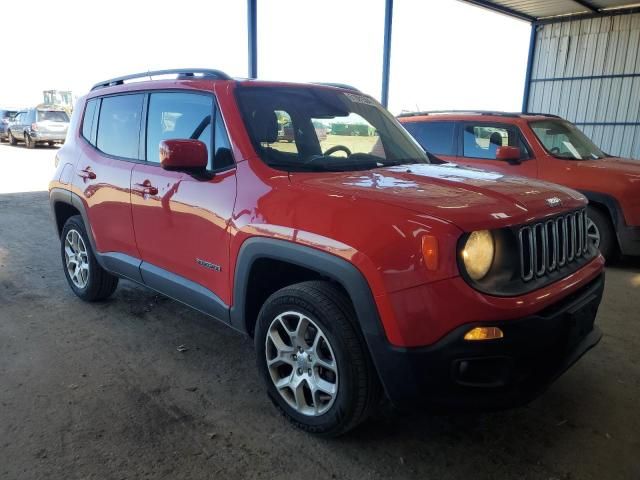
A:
(101, 391)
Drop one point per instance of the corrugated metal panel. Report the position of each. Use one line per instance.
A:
(588, 71)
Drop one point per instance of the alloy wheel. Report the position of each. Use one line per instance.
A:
(593, 233)
(301, 363)
(76, 259)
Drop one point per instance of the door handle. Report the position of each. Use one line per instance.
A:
(146, 188)
(87, 173)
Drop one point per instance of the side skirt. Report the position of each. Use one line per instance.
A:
(166, 283)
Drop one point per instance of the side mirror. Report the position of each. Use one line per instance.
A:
(508, 154)
(183, 155)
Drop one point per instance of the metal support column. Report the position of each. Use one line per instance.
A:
(252, 30)
(386, 52)
(527, 79)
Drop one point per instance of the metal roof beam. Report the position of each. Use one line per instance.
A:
(588, 5)
(501, 9)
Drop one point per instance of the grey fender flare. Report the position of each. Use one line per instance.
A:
(328, 265)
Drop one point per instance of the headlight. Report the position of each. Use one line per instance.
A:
(478, 254)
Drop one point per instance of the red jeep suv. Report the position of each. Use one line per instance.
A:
(548, 148)
(358, 267)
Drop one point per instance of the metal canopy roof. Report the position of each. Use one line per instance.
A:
(540, 10)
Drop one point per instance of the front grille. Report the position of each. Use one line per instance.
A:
(553, 244)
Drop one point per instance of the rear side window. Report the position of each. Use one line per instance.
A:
(174, 116)
(119, 125)
(52, 116)
(89, 120)
(434, 137)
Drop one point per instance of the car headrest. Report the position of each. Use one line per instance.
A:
(264, 125)
(496, 139)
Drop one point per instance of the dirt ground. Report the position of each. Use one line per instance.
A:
(101, 391)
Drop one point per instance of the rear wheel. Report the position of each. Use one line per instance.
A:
(12, 139)
(601, 233)
(28, 141)
(313, 359)
(85, 276)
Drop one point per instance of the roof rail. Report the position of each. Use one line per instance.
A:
(469, 112)
(338, 85)
(542, 115)
(181, 72)
(474, 112)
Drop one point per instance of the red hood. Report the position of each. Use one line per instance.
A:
(612, 165)
(469, 198)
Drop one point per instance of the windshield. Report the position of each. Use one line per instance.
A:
(562, 139)
(319, 129)
(52, 116)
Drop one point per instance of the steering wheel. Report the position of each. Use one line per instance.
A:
(555, 150)
(338, 148)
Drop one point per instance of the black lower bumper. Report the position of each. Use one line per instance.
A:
(455, 374)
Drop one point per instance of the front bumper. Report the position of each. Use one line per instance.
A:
(454, 375)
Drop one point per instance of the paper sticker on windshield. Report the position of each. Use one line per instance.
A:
(360, 99)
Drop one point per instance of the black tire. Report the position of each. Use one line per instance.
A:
(359, 390)
(101, 284)
(28, 141)
(608, 241)
(12, 139)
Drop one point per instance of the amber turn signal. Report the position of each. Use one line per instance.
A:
(430, 252)
(483, 333)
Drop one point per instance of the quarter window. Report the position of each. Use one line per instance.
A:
(119, 125)
(434, 137)
(88, 120)
(223, 156)
(174, 116)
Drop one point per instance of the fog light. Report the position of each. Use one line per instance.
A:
(483, 333)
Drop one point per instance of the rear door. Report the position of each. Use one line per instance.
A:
(17, 126)
(478, 143)
(109, 149)
(181, 219)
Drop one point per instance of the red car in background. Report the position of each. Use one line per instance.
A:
(544, 147)
(357, 273)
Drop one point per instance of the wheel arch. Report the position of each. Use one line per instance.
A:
(608, 205)
(64, 202)
(310, 263)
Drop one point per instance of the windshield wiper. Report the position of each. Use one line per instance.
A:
(403, 161)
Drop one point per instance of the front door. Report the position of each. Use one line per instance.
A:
(181, 219)
(479, 142)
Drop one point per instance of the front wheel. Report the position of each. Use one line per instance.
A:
(601, 233)
(314, 360)
(12, 139)
(85, 276)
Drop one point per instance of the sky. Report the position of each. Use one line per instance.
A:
(445, 54)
